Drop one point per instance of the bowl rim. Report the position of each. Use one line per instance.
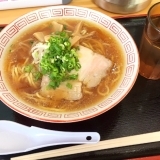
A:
(132, 82)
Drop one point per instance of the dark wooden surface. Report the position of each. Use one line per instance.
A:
(137, 113)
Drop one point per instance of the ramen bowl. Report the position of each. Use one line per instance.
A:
(16, 79)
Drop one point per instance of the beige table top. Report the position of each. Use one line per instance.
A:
(7, 16)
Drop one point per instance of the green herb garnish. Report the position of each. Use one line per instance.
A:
(28, 68)
(59, 60)
(37, 76)
(69, 85)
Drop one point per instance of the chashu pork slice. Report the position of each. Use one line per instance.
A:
(62, 92)
(94, 67)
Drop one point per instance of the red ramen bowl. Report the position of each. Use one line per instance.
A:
(105, 56)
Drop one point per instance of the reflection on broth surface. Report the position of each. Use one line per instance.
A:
(64, 65)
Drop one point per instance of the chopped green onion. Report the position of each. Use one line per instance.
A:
(60, 59)
(37, 76)
(28, 68)
(69, 85)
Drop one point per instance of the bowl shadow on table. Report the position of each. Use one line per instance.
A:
(104, 122)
